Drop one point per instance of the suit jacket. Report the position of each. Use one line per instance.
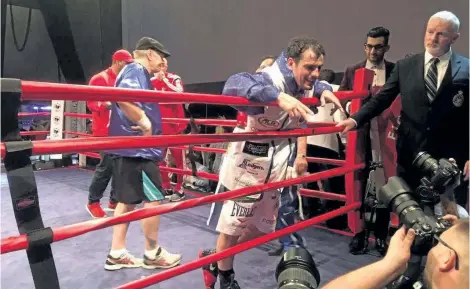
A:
(441, 128)
(348, 77)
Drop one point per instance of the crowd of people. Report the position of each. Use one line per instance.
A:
(434, 94)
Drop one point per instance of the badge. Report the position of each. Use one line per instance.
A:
(458, 99)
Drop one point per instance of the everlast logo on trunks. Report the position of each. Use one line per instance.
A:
(256, 149)
(250, 167)
(266, 122)
(239, 211)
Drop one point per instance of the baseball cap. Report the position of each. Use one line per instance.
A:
(150, 43)
(123, 55)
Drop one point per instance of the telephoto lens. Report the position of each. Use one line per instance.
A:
(297, 270)
(425, 163)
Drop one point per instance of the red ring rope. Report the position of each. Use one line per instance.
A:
(15, 243)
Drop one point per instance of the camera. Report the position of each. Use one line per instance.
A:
(438, 176)
(297, 270)
(398, 197)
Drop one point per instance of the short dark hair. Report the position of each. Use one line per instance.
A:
(377, 32)
(327, 75)
(300, 44)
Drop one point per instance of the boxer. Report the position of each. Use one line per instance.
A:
(293, 76)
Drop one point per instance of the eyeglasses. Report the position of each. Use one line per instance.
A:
(439, 240)
(378, 47)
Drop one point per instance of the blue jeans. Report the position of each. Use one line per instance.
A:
(289, 203)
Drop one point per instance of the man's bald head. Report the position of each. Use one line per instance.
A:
(441, 266)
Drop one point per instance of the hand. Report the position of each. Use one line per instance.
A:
(293, 106)
(399, 251)
(300, 165)
(451, 218)
(160, 75)
(466, 171)
(107, 104)
(328, 97)
(348, 124)
(144, 125)
(466, 168)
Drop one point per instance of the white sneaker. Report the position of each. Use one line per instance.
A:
(164, 260)
(126, 260)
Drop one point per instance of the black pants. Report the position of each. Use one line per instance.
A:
(103, 174)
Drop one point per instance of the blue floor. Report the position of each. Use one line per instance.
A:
(79, 261)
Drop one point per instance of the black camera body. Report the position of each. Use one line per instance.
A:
(398, 197)
(438, 175)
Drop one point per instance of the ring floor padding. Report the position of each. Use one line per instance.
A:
(62, 197)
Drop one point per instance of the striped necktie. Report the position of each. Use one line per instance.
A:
(431, 80)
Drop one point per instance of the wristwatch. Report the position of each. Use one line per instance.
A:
(301, 156)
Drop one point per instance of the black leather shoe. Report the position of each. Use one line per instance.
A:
(277, 250)
(381, 246)
(357, 244)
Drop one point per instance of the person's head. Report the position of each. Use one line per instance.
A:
(440, 271)
(377, 44)
(442, 31)
(120, 59)
(327, 75)
(151, 54)
(305, 57)
(266, 62)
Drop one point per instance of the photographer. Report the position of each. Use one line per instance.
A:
(446, 266)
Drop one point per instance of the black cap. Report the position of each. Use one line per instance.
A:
(149, 43)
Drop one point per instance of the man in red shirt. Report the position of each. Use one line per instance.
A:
(100, 113)
(165, 81)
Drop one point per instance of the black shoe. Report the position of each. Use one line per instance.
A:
(277, 250)
(381, 246)
(228, 283)
(168, 193)
(357, 245)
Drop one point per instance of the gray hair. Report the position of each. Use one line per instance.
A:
(448, 17)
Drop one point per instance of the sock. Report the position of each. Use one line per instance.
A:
(152, 254)
(117, 253)
(226, 274)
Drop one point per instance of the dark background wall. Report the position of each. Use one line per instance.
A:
(211, 39)
(96, 30)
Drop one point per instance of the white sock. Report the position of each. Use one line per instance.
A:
(152, 253)
(117, 253)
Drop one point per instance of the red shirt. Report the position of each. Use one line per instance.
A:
(98, 109)
(171, 82)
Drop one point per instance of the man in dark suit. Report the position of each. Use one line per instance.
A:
(375, 48)
(435, 110)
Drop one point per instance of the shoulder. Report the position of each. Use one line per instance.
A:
(389, 64)
(98, 77)
(410, 60)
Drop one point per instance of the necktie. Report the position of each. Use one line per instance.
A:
(431, 80)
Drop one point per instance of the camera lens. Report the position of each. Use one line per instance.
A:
(425, 163)
(297, 270)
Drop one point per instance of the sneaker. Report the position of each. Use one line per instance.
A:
(164, 260)
(229, 283)
(95, 210)
(126, 260)
(209, 272)
(168, 193)
(177, 196)
(112, 206)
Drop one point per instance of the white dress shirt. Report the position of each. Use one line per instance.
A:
(379, 72)
(441, 66)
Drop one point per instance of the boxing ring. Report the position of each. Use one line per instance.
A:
(36, 239)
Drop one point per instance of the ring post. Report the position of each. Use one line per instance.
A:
(355, 153)
(23, 189)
